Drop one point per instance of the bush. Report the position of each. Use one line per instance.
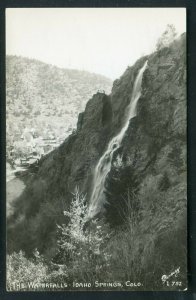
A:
(21, 270)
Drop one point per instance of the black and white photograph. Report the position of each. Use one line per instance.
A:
(96, 149)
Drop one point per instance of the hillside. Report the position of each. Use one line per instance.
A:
(145, 188)
(43, 101)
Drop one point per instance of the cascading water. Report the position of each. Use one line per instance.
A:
(104, 164)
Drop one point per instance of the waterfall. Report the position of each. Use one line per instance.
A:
(104, 164)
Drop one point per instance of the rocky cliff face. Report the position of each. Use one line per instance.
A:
(151, 168)
(155, 143)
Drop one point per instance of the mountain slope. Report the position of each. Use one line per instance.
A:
(148, 172)
(45, 98)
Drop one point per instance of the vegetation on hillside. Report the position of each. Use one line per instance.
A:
(44, 101)
(97, 252)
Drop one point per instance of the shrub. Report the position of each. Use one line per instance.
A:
(21, 270)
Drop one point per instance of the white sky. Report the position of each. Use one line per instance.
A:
(99, 40)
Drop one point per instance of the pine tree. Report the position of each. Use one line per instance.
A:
(81, 245)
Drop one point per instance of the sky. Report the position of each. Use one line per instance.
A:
(98, 40)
